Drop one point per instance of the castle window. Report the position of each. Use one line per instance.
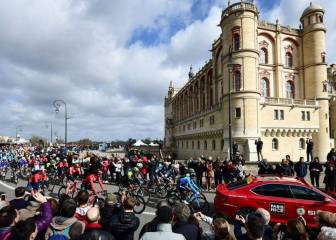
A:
(213, 144)
(276, 114)
(236, 41)
(302, 143)
(192, 145)
(187, 144)
(290, 89)
(222, 144)
(303, 115)
(275, 144)
(237, 81)
(289, 60)
(265, 88)
(205, 145)
(238, 112)
(198, 145)
(321, 18)
(308, 116)
(282, 115)
(263, 56)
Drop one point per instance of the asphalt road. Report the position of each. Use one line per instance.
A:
(146, 216)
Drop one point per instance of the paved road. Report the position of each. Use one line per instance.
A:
(145, 217)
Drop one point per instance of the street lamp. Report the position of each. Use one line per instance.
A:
(51, 131)
(17, 130)
(57, 105)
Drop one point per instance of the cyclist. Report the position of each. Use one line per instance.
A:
(94, 175)
(74, 171)
(186, 183)
(35, 180)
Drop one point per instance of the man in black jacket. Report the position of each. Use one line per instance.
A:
(124, 224)
(310, 147)
(152, 225)
(315, 168)
(188, 230)
(259, 145)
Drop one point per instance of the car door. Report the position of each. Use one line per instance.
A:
(307, 202)
(277, 199)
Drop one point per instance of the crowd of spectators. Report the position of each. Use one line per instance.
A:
(39, 217)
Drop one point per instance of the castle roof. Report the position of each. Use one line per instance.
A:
(312, 8)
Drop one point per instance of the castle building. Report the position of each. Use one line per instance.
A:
(277, 81)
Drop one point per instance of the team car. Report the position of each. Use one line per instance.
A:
(283, 197)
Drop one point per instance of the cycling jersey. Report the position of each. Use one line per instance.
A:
(187, 183)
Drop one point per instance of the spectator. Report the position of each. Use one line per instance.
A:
(309, 149)
(330, 177)
(259, 145)
(152, 225)
(327, 233)
(61, 225)
(93, 229)
(268, 230)
(181, 226)
(9, 216)
(264, 167)
(124, 224)
(164, 228)
(331, 154)
(296, 229)
(254, 225)
(326, 219)
(301, 168)
(19, 202)
(315, 168)
(24, 230)
(220, 228)
(209, 173)
(83, 205)
(199, 169)
(11, 228)
(111, 208)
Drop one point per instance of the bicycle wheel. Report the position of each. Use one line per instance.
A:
(173, 198)
(144, 193)
(200, 203)
(61, 191)
(140, 204)
(162, 192)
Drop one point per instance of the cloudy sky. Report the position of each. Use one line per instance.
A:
(110, 60)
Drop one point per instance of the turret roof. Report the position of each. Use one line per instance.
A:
(312, 8)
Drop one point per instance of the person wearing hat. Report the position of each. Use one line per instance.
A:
(164, 228)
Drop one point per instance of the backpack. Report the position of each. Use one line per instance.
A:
(60, 235)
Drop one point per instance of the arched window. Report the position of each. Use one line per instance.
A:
(205, 145)
(236, 41)
(290, 89)
(302, 143)
(198, 145)
(192, 145)
(237, 81)
(213, 144)
(222, 144)
(263, 56)
(265, 89)
(289, 60)
(275, 144)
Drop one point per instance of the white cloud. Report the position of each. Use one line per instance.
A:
(80, 51)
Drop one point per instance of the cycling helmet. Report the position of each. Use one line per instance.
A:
(136, 169)
(139, 165)
(191, 172)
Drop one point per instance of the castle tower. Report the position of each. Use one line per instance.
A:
(315, 73)
(168, 118)
(239, 24)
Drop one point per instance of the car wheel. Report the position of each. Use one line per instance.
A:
(245, 211)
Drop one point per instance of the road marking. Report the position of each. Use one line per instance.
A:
(148, 213)
(6, 185)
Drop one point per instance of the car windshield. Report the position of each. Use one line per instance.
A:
(237, 184)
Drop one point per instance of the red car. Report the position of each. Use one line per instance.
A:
(283, 197)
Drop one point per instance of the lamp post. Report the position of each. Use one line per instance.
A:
(17, 130)
(57, 105)
(51, 131)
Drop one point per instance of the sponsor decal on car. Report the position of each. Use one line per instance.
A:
(300, 211)
(277, 208)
